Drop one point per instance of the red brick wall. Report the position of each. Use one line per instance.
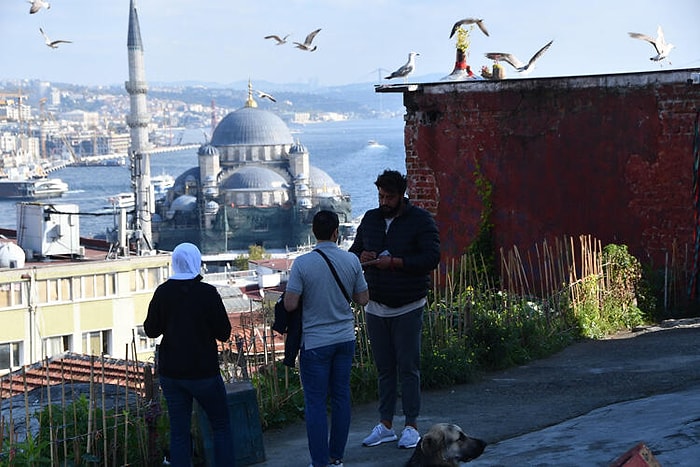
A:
(610, 156)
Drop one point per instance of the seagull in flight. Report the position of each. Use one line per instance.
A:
(406, 69)
(53, 44)
(37, 5)
(662, 48)
(307, 42)
(278, 39)
(264, 95)
(478, 22)
(513, 61)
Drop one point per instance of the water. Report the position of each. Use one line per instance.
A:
(338, 148)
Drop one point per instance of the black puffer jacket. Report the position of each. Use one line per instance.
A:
(191, 317)
(413, 236)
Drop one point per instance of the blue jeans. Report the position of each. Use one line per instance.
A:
(210, 394)
(325, 371)
(395, 346)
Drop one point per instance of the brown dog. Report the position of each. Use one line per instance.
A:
(445, 445)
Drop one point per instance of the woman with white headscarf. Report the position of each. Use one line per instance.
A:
(191, 317)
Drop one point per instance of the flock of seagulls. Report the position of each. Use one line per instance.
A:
(306, 45)
(663, 49)
(35, 7)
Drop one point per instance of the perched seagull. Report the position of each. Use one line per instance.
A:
(478, 22)
(307, 42)
(278, 39)
(50, 43)
(37, 5)
(406, 69)
(512, 60)
(662, 48)
(264, 95)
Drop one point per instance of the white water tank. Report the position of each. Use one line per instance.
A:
(48, 229)
(11, 256)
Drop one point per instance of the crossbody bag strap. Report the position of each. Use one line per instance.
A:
(335, 274)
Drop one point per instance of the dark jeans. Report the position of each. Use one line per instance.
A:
(326, 371)
(396, 349)
(210, 394)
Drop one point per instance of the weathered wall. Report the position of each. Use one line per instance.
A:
(610, 156)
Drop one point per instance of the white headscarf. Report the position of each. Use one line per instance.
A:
(187, 262)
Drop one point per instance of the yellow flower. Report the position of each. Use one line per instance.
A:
(463, 40)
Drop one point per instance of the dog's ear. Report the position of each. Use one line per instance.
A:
(432, 442)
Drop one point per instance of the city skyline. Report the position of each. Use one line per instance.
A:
(360, 41)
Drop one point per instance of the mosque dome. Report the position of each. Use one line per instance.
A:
(319, 178)
(207, 150)
(185, 179)
(251, 126)
(254, 178)
(297, 148)
(184, 203)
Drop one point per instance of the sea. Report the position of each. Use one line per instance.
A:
(340, 148)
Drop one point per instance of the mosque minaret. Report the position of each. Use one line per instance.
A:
(138, 126)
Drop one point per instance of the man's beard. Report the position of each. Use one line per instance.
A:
(389, 212)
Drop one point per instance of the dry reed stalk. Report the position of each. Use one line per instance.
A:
(126, 401)
(52, 447)
(76, 446)
(63, 411)
(88, 447)
(26, 398)
(104, 410)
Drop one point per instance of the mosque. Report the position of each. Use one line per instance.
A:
(254, 185)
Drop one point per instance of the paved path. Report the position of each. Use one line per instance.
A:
(586, 405)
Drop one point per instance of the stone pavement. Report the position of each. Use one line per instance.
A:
(586, 405)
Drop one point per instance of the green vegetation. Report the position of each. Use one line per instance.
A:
(472, 327)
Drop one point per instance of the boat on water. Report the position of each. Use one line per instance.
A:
(161, 184)
(373, 143)
(125, 200)
(32, 188)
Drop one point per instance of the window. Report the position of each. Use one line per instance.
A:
(10, 355)
(97, 342)
(10, 294)
(57, 345)
(143, 342)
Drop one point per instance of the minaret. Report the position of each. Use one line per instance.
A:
(138, 121)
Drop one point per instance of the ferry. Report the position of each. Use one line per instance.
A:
(161, 184)
(31, 189)
(125, 200)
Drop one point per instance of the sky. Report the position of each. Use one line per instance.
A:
(360, 40)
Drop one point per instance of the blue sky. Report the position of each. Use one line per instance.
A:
(222, 41)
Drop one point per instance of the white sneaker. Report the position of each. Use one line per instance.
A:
(409, 438)
(380, 434)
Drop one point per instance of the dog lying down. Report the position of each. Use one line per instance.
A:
(445, 445)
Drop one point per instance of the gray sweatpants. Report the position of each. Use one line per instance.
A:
(395, 345)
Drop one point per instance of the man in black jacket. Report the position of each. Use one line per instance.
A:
(191, 317)
(399, 245)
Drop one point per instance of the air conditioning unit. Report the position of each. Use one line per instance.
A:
(48, 229)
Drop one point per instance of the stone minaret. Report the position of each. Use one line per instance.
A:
(138, 126)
